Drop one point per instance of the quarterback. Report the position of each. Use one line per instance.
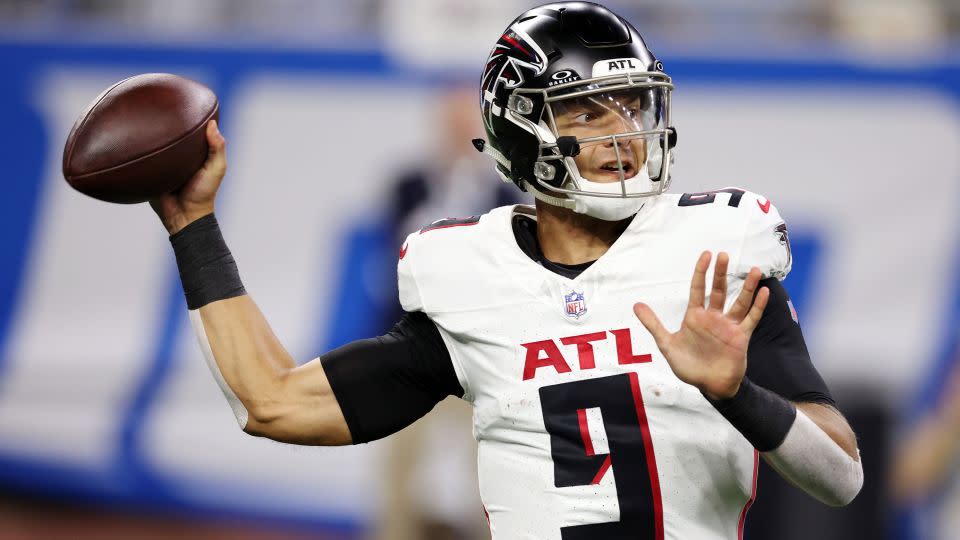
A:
(614, 396)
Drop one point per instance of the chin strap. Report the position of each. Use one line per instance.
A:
(550, 199)
(505, 164)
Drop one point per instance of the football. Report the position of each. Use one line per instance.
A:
(140, 138)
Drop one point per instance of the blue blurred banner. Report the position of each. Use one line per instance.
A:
(103, 393)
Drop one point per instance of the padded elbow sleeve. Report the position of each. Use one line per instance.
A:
(812, 461)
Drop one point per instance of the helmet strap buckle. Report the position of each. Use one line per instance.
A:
(544, 171)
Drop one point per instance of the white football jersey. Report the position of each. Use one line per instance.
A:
(584, 431)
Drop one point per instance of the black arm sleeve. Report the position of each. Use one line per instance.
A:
(777, 357)
(386, 383)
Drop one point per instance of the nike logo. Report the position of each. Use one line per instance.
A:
(403, 250)
(765, 207)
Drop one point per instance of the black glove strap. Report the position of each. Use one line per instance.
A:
(207, 269)
(763, 417)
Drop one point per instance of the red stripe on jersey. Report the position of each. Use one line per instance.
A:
(428, 229)
(603, 470)
(753, 495)
(651, 459)
(585, 431)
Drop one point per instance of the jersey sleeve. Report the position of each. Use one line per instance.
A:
(407, 286)
(386, 383)
(766, 243)
(777, 357)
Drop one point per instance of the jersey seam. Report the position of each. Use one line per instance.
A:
(457, 366)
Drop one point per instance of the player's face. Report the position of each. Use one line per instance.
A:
(602, 115)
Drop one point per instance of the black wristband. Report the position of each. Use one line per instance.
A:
(207, 270)
(763, 417)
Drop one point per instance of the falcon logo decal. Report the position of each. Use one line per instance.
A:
(515, 57)
(781, 232)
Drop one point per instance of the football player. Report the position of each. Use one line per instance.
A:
(614, 396)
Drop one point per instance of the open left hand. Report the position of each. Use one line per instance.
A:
(710, 349)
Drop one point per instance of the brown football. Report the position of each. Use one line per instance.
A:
(141, 138)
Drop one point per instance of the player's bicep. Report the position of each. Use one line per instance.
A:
(304, 410)
(777, 357)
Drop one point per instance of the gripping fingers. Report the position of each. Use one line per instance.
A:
(651, 322)
(756, 312)
(216, 155)
(214, 137)
(718, 295)
(698, 287)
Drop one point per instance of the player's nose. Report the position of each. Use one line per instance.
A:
(618, 140)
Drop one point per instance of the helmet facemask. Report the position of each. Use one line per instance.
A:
(604, 142)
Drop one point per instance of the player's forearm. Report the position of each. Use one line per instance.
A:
(249, 356)
(831, 422)
(814, 462)
(795, 445)
(241, 350)
(269, 394)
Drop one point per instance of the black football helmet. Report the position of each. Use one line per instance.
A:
(572, 77)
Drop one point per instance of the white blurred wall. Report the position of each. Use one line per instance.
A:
(309, 157)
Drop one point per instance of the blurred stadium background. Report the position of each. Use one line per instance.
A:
(347, 124)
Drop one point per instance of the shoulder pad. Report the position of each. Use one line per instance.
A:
(422, 252)
(765, 244)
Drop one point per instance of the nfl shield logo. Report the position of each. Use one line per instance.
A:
(575, 304)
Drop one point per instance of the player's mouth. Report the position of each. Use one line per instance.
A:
(610, 170)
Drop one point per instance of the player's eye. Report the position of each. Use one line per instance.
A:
(585, 117)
